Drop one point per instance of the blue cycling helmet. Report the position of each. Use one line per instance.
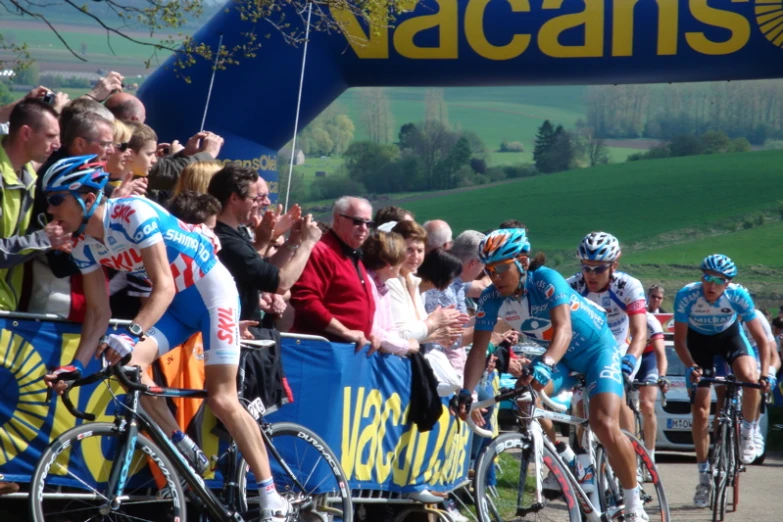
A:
(503, 244)
(720, 264)
(599, 246)
(77, 175)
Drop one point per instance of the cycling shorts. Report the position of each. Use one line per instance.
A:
(722, 368)
(648, 371)
(210, 306)
(729, 344)
(599, 364)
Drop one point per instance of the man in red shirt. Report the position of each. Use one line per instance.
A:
(333, 297)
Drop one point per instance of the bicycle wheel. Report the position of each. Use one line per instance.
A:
(324, 494)
(719, 465)
(505, 484)
(735, 465)
(651, 491)
(62, 491)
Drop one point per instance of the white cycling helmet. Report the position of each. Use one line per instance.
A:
(599, 246)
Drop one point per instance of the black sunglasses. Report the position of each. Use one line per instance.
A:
(357, 222)
(55, 200)
(122, 147)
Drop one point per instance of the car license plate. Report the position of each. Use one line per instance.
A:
(679, 424)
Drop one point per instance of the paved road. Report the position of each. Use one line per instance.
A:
(760, 489)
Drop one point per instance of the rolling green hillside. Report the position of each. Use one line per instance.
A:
(635, 201)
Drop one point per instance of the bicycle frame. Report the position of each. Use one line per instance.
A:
(135, 419)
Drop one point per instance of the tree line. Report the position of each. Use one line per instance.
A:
(749, 109)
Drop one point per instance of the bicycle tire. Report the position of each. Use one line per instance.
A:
(719, 473)
(653, 498)
(513, 448)
(69, 445)
(335, 503)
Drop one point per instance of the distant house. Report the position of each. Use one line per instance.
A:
(299, 157)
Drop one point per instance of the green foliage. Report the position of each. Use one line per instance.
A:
(333, 187)
(329, 134)
(6, 96)
(715, 142)
(555, 149)
(511, 146)
(29, 75)
(739, 145)
(372, 165)
(679, 193)
(57, 81)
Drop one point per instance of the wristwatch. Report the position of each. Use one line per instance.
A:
(136, 330)
(549, 361)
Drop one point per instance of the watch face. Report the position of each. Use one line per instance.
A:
(136, 330)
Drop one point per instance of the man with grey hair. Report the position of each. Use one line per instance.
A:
(438, 235)
(333, 297)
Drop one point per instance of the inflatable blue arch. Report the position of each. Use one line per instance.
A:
(461, 43)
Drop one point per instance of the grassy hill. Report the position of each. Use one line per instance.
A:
(667, 213)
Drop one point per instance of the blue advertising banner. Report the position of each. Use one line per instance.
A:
(358, 404)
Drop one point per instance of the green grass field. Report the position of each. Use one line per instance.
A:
(759, 246)
(636, 201)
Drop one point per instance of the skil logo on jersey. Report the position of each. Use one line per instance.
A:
(227, 325)
(123, 212)
(124, 261)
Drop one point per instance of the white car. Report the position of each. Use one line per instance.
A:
(674, 419)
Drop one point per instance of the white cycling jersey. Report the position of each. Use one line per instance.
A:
(654, 331)
(768, 335)
(624, 297)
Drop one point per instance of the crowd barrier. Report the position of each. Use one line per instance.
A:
(358, 404)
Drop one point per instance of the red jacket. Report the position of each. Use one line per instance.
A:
(334, 284)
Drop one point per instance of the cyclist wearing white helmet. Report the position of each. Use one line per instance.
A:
(706, 324)
(191, 292)
(537, 301)
(621, 295)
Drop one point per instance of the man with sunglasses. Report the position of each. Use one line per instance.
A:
(621, 295)
(706, 324)
(537, 302)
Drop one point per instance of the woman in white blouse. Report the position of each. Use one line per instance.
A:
(443, 325)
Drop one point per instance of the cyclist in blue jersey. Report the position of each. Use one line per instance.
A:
(191, 292)
(706, 325)
(537, 301)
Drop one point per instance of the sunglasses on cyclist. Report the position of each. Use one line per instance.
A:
(499, 268)
(55, 200)
(357, 222)
(598, 270)
(707, 278)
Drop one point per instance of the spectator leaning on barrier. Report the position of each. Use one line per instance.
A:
(438, 235)
(384, 253)
(33, 135)
(334, 296)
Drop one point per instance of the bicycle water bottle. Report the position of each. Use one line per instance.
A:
(567, 454)
(584, 471)
(190, 451)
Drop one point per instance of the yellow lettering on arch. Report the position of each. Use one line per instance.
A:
(592, 18)
(369, 436)
(738, 25)
(392, 411)
(474, 31)
(446, 22)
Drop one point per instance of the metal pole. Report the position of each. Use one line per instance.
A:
(211, 81)
(298, 106)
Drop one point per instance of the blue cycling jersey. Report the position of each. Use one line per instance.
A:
(691, 307)
(545, 289)
(592, 349)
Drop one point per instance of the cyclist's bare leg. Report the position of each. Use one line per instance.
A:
(547, 424)
(144, 354)
(745, 368)
(647, 396)
(604, 414)
(701, 414)
(221, 380)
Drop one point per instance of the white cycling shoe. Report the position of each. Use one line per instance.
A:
(747, 447)
(621, 514)
(758, 439)
(702, 496)
(277, 514)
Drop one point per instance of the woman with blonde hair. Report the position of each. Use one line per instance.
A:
(196, 176)
(117, 163)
